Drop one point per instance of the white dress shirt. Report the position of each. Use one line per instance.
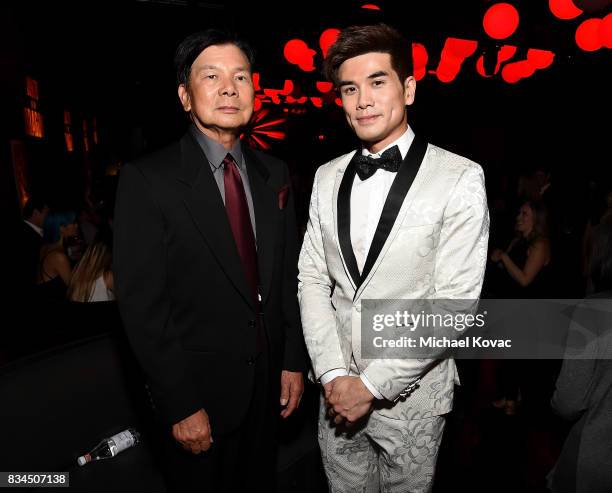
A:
(38, 229)
(367, 201)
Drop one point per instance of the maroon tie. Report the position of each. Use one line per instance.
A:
(242, 229)
(240, 222)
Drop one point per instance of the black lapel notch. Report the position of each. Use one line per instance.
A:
(344, 221)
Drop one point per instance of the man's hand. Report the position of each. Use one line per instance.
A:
(349, 399)
(292, 388)
(193, 432)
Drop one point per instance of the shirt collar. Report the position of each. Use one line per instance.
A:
(38, 229)
(403, 143)
(214, 151)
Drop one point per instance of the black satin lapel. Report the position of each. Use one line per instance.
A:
(265, 203)
(204, 203)
(399, 189)
(344, 221)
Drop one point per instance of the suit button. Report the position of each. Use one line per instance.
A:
(252, 323)
(250, 361)
(358, 308)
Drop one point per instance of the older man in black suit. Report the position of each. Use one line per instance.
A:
(205, 264)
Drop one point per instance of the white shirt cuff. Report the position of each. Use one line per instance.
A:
(328, 376)
(370, 387)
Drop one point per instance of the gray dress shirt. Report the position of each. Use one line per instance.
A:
(215, 153)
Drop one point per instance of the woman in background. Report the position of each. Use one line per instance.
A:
(526, 265)
(528, 256)
(55, 269)
(93, 278)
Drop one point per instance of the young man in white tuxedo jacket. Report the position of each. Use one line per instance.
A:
(397, 219)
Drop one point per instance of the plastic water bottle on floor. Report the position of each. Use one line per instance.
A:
(109, 447)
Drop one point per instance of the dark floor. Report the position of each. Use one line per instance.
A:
(483, 449)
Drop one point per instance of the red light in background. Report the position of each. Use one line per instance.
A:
(504, 54)
(480, 67)
(292, 100)
(510, 73)
(275, 93)
(500, 20)
(540, 59)
(256, 77)
(328, 38)
(324, 87)
(287, 88)
(419, 60)
(587, 35)
(605, 31)
(317, 102)
(370, 6)
(453, 54)
(564, 9)
(446, 74)
(298, 53)
(338, 101)
(460, 48)
(515, 71)
(259, 130)
(321, 137)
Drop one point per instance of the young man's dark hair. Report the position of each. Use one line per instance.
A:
(191, 47)
(358, 40)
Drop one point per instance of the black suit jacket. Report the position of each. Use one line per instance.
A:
(182, 292)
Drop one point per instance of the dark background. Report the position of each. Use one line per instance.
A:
(113, 61)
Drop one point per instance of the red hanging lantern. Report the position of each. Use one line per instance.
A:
(328, 38)
(501, 20)
(587, 35)
(605, 31)
(564, 9)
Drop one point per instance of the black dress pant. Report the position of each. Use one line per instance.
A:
(242, 460)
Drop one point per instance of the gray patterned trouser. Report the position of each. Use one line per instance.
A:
(384, 454)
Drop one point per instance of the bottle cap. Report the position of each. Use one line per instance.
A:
(84, 459)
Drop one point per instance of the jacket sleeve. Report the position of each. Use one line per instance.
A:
(140, 270)
(314, 292)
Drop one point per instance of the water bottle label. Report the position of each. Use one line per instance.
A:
(121, 441)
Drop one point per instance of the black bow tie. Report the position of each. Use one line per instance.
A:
(390, 160)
